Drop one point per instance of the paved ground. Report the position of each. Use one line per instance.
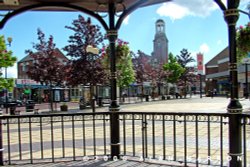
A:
(194, 104)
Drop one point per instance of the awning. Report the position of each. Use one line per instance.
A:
(31, 86)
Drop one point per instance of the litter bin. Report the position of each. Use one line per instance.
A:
(82, 103)
(147, 97)
(99, 101)
(12, 107)
(30, 106)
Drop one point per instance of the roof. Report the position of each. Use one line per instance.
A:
(92, 5)
(29, 58)
(214, 61)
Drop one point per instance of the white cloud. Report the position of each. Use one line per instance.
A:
(12, 71)
(178, 9)
(172, 10)
(204, 48)
(126, 20)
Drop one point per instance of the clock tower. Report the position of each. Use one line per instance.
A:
(160, 53)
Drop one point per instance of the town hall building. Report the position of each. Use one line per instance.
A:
(160, 52)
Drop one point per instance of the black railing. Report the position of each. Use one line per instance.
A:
(50, 138)
(174, 138)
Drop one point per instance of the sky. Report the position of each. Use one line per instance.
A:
(196, 25)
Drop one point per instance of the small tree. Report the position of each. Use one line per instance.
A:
(84, 68)
(6, 60)
(124, 65)
(46, 67)
(187, 77)
(140, 62)
(174, 69)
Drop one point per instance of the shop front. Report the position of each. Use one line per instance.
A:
(27, 89)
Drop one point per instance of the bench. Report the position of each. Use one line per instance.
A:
(35, 110)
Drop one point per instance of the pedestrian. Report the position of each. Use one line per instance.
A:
(212, 93)
(177, 94)
(215, 92)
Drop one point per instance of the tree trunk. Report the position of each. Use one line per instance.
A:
(51, 98)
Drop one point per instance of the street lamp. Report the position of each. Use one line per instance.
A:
(9, 39)
(246, 60)
(200, 85)
(94, 51)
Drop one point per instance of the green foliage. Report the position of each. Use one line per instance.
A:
(6, 60)
(174, 68)
(126, 74)
(124, 65)
(184, 58)
(243, 42)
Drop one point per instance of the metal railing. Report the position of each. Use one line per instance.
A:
(172, 138)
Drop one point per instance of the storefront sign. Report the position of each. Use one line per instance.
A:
(27, 82)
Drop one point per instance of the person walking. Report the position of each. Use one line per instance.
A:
(215, 92)
(212, 93)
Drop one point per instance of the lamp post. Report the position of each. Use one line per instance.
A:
(94, 51)
(246, 94)
(246, 60)
(209, 82)
(200, 85)
(9, 39)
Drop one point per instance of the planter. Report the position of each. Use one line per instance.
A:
(163, 97)
(64, 108)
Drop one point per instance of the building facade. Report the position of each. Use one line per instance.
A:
(160, 52)
(26, 88)
(217, 74)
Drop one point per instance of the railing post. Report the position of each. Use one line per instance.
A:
(1, 140)
(114, 107)
(234, 108)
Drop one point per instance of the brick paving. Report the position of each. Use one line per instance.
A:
(195, 104)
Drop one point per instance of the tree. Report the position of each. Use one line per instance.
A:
(243, 42)
(46, 67)
(6, 60)
(184, 58)
(124, 65)
(188, 76)
(174, 68)
(84, 68)
(140, 62)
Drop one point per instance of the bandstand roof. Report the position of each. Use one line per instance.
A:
(92, 5)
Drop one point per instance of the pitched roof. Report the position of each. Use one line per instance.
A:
(29, 58)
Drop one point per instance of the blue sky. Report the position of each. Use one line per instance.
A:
(197, 25)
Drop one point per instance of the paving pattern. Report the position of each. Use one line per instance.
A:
(133, 143)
